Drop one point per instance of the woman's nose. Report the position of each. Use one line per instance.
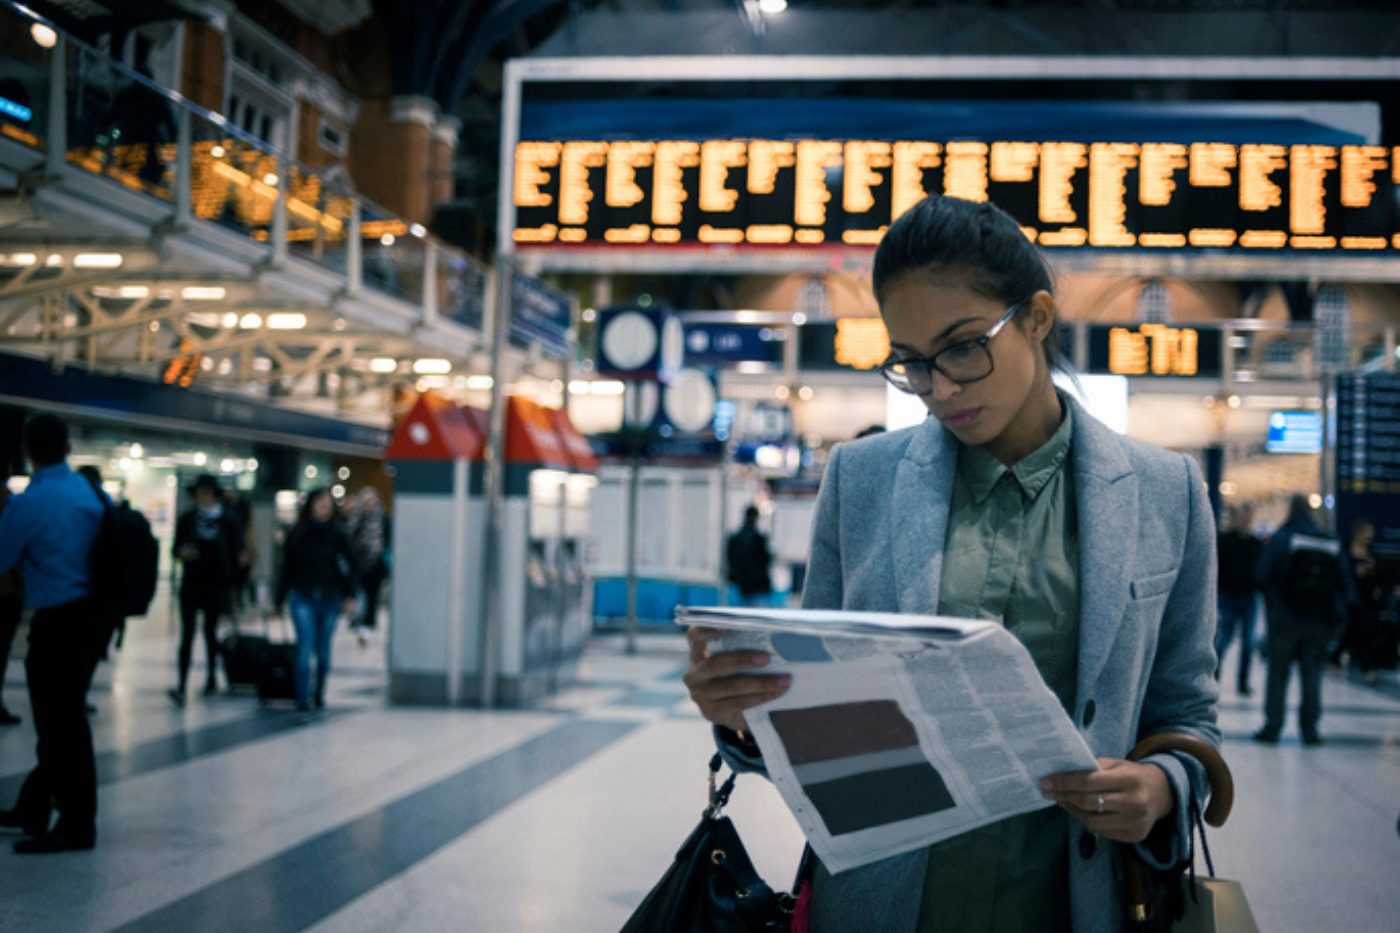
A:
(943, 387)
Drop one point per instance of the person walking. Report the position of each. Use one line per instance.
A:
(369, 531)
(49, 531)
(1012, 503)
(209, 546)
(1238, 549)
(11, 612)
(317, 584)
(749, 561)
(1307, 588)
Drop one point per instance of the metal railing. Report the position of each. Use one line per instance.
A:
(79, 107)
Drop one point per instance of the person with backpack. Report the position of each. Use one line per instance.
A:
(749, 559)
(209, 545)
(49, 531)
(1307, 588)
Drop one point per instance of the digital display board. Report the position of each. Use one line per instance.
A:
(1368, 433)
(1154, 350)
(1294, 432)
(814, 192)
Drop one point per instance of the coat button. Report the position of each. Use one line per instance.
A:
(1089, 710)
(1088, 844)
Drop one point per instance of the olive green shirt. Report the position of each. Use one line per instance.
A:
(1012, 555)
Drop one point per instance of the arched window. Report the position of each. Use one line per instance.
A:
(1154, 304)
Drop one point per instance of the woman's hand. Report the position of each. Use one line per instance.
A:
(720, 683)
(1122, 801)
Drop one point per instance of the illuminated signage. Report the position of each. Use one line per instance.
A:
(848, 343)
(1294, 432)
(15, 110)
(808, 192)
(1154, 350)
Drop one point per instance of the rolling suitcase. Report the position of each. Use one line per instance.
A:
(242, 655)
(276, 678)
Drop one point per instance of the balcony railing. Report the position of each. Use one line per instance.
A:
(80, 107)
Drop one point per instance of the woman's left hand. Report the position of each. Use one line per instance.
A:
(1121, 801)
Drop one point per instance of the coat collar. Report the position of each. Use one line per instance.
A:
(1107, 498)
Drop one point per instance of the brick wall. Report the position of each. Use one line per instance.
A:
(202, 78)
(390, 161)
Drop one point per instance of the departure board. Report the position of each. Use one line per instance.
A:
(1368, 433)
(821, 192)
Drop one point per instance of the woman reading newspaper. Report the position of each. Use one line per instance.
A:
(1011, 503)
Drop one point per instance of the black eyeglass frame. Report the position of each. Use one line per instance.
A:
(930, 363)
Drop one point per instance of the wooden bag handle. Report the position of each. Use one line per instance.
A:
(1137, 889)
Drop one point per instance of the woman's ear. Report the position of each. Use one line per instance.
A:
(1041, 315)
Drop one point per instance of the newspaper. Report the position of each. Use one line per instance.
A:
(898, 731)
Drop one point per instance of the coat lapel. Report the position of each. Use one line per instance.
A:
(1106, 493)
(923, 489)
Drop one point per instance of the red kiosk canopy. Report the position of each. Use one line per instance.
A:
(437, 430)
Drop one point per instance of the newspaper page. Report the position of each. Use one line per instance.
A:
(898, 731)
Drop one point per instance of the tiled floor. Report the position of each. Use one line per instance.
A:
(223, 816)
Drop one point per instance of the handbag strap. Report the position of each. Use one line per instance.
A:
(719, 796)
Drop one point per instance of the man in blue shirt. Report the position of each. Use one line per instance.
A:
(48, 532)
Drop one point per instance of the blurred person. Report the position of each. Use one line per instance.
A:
(317, 584)
(369, 530)
(1014, 504)
(11, 611)
(1364, 639)
(749, 561)
(1238, 552)
(238, 506)
(208, 544)
(49, 531)
(1306, 591)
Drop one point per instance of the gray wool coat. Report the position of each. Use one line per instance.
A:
(1147, 598)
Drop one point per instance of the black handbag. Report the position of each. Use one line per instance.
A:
(712, 887)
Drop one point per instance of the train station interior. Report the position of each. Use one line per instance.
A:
(545, 297)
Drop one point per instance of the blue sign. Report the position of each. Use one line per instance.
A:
(18, 111)
(540, 314)
(726, 344)
(1294, 432)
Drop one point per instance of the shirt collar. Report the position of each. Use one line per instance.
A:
(53, 471)
(982, 471)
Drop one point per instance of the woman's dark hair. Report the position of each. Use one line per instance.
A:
(978, 241)
(304, 515)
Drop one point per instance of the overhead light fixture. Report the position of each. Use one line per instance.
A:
(418, 230)
(608, 387)
(432, 366)
(217, 152)
(97, 260)
(383, 364)
(203, 292)
(386, 240)
(270, 180)
(250, 321)
(43, 35)
(286, 320)
(480, 383)
(121, 291)
(231, 319)
(19, 259)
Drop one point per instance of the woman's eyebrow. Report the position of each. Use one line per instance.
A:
(945, 332)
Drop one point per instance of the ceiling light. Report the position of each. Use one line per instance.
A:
(230, 319)
(270, 180)
(383, 364)
(121, 291)
(43, 35)
(386, 240)
(217, 152)
(418, 230)
(480, 382)
(432, 366)
(203, 292)
(250, 321)
(19, 259)
(608, 387)
(286, 320)
(97, 260)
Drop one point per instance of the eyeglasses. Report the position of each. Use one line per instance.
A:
(963, 362)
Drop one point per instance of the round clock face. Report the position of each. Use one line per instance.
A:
(629, 340)
(690, 401)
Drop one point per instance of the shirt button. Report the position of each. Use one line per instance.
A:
(1089, 710)
(1088, 844)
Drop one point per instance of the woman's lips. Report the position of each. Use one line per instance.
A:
(963, 418)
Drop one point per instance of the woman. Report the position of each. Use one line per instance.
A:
(318, 584)
(1364, 639)
(370, 534)
(1011, 503)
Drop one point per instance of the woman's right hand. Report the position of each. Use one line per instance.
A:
(721, 684)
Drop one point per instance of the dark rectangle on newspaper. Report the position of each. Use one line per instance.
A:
(822, 733)
(792, 647)
(878, 798)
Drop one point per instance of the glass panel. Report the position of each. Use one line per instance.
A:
(318, 218)
(118, 126)
(461, 284)
(24, 81)
(233, 182)
(393, 257)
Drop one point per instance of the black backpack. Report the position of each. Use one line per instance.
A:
(1312, 577)
(124, 561)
